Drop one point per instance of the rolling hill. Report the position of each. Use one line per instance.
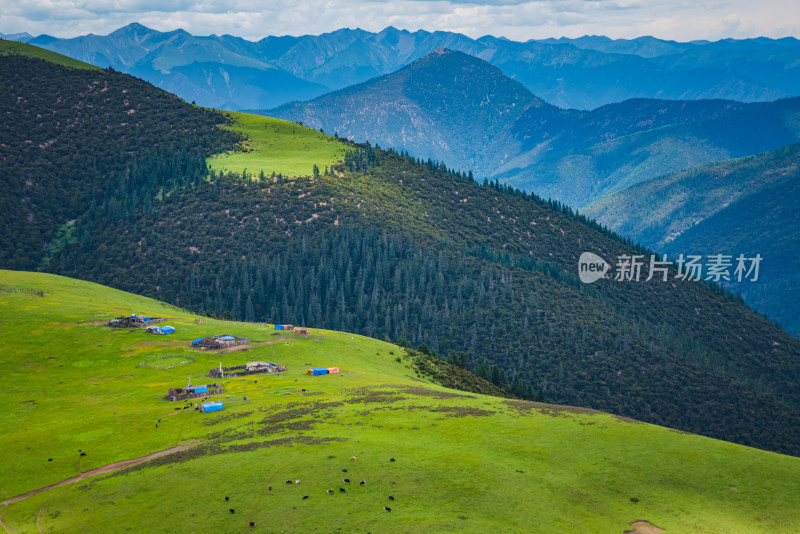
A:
(444, 107)
(583, 73)
(81, 399)
(742, 206)
(386, 246)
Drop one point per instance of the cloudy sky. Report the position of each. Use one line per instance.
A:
(515, 19)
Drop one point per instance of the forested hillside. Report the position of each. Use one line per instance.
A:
(68, 135)
(386, 245)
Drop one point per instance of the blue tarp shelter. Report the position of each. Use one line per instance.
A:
(212, 407)
(161, 330)
(317, 371)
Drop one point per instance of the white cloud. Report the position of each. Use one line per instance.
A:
(515, 19)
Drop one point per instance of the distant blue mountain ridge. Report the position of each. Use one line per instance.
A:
(583, 73)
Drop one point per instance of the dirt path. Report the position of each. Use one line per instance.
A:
(99, 471)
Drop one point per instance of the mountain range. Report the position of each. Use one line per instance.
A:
(116, 189)
(586, 73)
(455, 108)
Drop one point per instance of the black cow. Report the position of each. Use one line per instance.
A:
(231, 510)
(252, 524)
(330, 492)
(391, 459)
(344, 470)
(342, 490)
(289, 482)
(387, 508)
(363, 483)
(227, 498)
(305, 497)
(391, 498)
(347, 481)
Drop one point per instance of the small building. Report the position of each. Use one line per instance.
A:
(333, 370)
(135, 321)
(284, 327)
(250, 368)
(219, 342)
(161, 330)
(211, 407)
(298, 330)
(191, 392)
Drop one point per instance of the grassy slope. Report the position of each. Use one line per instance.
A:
(278, 146)
(22, 49)
(523, 468)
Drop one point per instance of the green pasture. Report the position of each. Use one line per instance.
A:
(463, 462)
(279, 146)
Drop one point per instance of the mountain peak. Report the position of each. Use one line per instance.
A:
(134, 28)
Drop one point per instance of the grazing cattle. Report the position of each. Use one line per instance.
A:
(297, 481)
(226, 498)
(305, 497)
(252, 524)
(353, 458)
(49, 459)
(363, 483)
(330, 492)
(83, 454)
(391, 459)
(393, 483)
(347, 481)
(344, 470)
(231, 510)
(288, 481)
(387, 508)
(270, 488)
(462, 517)
(391, 498)
(342, 490)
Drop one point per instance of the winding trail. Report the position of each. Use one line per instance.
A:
(99, 471)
